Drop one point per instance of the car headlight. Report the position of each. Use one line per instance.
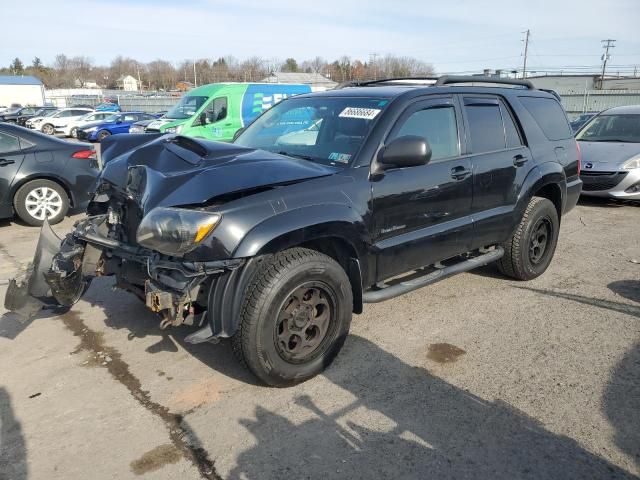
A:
(175, 231)
(176, 129)
(633, 162)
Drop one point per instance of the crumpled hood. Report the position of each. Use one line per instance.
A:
(174, 170)
(607, 156)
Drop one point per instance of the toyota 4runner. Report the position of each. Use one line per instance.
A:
(327, 201)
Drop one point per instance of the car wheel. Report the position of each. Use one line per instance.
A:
(74, 132)
(102, 134)
(529, 251)
(295, 317)
(48, 129)
(40, 199)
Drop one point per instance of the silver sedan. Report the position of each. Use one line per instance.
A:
(610, 146)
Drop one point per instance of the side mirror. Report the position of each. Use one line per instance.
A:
(237, 134)
(407, 151)
(203, 119)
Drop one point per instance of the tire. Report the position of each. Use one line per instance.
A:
(74, 132)
(38, 198)
(48, 129)
(288, 297)
(102, 134)
(529, 251)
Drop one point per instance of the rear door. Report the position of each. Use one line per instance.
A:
(500, 163)
(11, 158)
(422, 214)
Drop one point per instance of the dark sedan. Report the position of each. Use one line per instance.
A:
(11, 116)
(42, 176)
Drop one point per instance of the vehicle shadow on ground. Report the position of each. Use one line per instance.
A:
(621, 403)
(619, 307)
(123, 310)
(13, 452)
(606, 202)
(423, 427)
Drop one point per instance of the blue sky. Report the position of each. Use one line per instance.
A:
(453, 35)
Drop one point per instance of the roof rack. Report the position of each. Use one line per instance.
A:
(449, 79)
(440, 81)
(360, 83)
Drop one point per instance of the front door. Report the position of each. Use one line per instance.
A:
(215, 122)
(422, 214)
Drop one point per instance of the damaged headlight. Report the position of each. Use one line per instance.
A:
(175, 231)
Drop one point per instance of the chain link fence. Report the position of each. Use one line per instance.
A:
(150, 102)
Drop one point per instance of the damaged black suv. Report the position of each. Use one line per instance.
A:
(327, 201)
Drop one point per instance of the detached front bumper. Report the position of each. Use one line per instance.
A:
(62, 269)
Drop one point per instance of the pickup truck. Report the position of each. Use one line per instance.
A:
(325, 202)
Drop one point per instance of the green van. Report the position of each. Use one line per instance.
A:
(218, 110)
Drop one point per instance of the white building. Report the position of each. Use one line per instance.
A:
(128, 83)
(25, 90)
(317, 81)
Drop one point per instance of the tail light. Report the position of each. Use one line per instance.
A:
(579, 157)
(86, 154)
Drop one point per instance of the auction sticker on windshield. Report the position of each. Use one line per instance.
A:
(363, 113)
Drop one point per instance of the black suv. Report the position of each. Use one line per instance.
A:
(325, 202)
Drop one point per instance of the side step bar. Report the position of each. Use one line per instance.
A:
(380, 295)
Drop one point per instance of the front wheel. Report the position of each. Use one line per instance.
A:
(102, 134)
(74, 132)
(48, 129)
(529, 251)
(295, 317)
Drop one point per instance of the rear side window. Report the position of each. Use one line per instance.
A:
(549, 116)
(485, 124)
(8, 143)
(510, 129)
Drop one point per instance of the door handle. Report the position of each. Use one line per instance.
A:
(4, 162)
(460, 172)
(519, 160)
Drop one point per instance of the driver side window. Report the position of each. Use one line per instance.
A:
(217, 110)
(438, 126)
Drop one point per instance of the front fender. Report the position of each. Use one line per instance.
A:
(297, 226)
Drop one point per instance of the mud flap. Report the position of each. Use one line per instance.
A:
(29, 292)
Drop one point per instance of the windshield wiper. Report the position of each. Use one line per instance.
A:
(297, 155)
(610, 140)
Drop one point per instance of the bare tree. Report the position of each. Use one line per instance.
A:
(80, 68)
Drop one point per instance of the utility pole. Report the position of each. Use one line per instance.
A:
(195, 76)
(606, 44)
(526, 52)
(373, 57)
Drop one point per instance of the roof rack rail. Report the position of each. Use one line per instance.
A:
(449, 79)
(360, 83)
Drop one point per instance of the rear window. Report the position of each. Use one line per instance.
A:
(549, 116)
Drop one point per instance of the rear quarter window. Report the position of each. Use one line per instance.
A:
(549, 116)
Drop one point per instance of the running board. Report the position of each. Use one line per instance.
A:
(380, 295)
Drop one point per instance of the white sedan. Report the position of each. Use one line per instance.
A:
(59, 119)
(71, 128)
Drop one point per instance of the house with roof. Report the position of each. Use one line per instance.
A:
(316, 80)
(21, 89)
(128, 83)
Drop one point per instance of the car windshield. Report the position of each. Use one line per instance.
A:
(327, 130)
(612, 128)
(112, 118)
(186, 107)
(50, 113)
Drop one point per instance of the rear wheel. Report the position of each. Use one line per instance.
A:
(48, 129)
(102, 134)
(40, 199)
(529, 251)
(295, 317)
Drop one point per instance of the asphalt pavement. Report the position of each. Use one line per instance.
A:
(477, 376)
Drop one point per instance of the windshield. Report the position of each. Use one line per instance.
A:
(612, 128)
(186, 107)
(327, 130)
(50, 113)
(112, 118)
